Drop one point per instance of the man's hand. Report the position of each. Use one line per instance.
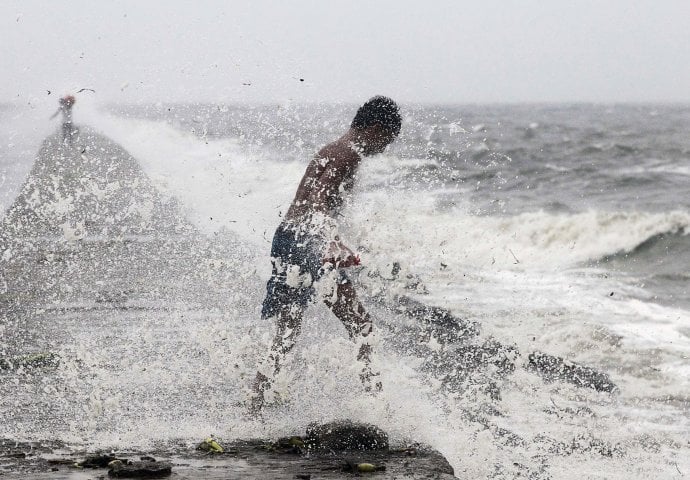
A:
(340, 256)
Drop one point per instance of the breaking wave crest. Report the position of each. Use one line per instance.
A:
(534, 240)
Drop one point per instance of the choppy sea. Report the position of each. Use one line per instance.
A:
(556, 228)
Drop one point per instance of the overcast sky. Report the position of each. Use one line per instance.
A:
(346, 51)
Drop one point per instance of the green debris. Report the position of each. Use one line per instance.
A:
(296, 442)
(290, 445)
(362, 467)
(370, 467)
(210, 445)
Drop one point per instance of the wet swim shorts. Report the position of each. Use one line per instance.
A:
(297, 264)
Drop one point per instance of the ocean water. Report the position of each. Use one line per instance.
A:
(556, 228)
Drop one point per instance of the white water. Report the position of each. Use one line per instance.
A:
(519, 276)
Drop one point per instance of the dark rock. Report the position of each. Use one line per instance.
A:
(15, 455)
(251, 461)
(346, 435)
(97, 461)
(480, 365)
(144, 469)
(34, 360)
(552, 368)
(439, 322)
(60, 461)
(582, 444)
(465, 359)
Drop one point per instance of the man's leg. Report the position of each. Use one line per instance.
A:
(289, 326)
(358, 324)
(66, 132)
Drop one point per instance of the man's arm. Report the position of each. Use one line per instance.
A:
(339, 255)
(327, 194)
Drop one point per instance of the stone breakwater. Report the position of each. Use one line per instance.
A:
(336, 450)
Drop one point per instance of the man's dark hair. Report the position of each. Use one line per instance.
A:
(378, 110)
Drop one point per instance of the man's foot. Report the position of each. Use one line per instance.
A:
(257, 400)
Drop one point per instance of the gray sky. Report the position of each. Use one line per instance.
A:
(415, 51)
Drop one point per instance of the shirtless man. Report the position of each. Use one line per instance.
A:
(306, 247)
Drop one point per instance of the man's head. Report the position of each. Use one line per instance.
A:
(377, 123)
(67, 100)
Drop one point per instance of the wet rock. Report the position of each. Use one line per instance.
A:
(15, 455)
(474, 356)
(455, 353)
(346, 435)
(142, 469)
(250, 459)
(34, 360)
(475, 365)
(97, 461)
(439, 322)
(582, 444)
(552, 368)
(58, 177)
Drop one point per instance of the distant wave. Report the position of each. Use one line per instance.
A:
(673, 245)
(534, 240)
(593, 235)
(664, 240)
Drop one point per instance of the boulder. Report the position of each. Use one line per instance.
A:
(346, 435)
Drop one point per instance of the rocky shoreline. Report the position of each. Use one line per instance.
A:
(337, 450)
